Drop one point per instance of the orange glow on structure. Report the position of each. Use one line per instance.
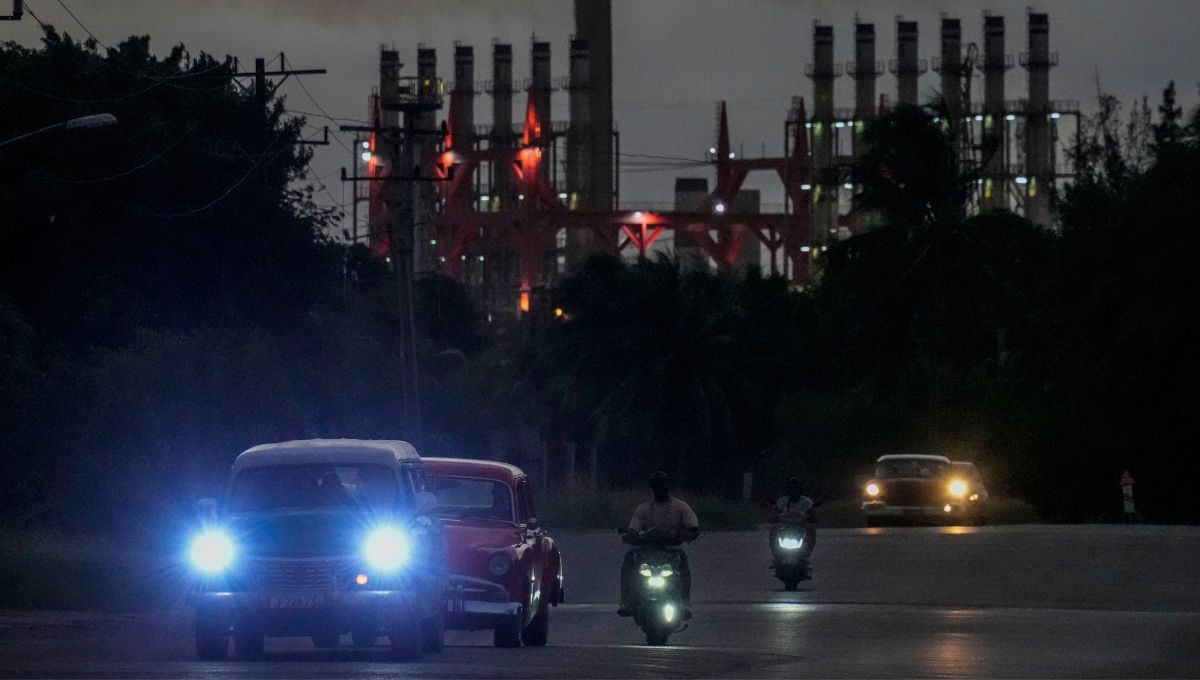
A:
(446, 161)
(524, 304)
(533, 127)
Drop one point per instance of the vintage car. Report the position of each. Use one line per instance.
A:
(320, 538)
(505, 572)
(921, 486)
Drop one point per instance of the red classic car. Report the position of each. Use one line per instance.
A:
(505, 571)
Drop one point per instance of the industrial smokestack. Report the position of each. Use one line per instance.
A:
(994, 126)
(950, 67)
(501, 87)
(425, 146)
(593, 25)
(822, 71)
(864, 69)
(463, 97)
(1039, 137)
(539, 89)
(907, 66)
(579, 139)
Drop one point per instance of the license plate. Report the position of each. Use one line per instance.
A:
(306, 601)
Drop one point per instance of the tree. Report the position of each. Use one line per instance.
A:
(174, 273)
(661, 368)
(930, 293)
(1121, 369)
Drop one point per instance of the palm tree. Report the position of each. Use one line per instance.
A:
(930, 292)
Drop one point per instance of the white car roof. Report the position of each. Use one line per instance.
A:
(327, 451)
(912, 456)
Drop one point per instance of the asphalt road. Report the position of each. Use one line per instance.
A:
(1032, 601)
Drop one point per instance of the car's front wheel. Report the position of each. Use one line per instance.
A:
(406, 641)
(249, 644)
(212, 637)
(433, 632)
(537, 633)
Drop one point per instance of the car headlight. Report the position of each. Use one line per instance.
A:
(499, 564)
(387, 549)
(958, 488)
(212, 551)
(872, 489)
(791, 542)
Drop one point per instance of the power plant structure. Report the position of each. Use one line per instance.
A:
(511, 206)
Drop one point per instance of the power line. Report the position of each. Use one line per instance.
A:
(335, 119)
(320, 108)
(130, 171)
(242, 180)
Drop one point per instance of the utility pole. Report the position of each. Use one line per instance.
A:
(400, 174)
(264, 93)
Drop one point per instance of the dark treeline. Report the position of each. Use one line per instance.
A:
(168, 297)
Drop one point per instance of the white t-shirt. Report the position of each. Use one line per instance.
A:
(793, 510)
(672, 515)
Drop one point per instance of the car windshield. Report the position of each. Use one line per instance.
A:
(468, 497)
(910, 468)
(291, 487)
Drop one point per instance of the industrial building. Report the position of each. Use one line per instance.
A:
(510, 206)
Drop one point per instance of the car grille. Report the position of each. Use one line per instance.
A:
(911, 492)
(300, 574)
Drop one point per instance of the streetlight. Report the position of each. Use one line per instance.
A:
(94, 121)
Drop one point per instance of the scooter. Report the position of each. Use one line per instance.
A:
(792, 543)
(657, 596)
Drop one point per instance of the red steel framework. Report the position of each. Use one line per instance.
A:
(532, 225)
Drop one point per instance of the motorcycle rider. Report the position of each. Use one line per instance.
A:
(672, 521)
(796, 509)
(793, 506)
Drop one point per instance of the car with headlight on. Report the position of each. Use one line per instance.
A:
(321, 538)
(505, 571)
(922, 486)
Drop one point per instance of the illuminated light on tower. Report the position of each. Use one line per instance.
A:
(523, 304)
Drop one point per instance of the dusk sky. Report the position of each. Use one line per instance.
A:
(673, 59)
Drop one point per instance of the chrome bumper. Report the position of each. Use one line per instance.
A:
(475, 601)
(882, 509)
(333, 600)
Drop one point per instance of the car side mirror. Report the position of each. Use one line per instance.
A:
(207, 508)
(531, 524)
(426, 503)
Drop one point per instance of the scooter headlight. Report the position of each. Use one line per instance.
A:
(656, 581)
(212, 551)
(646, 571)
(668, 612)
(791, 542)
(387, 549)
